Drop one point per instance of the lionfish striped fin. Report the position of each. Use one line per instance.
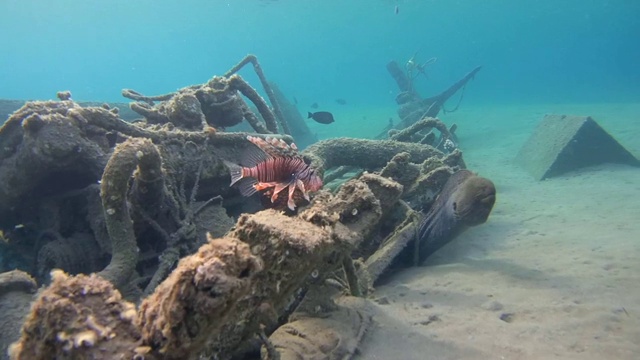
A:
(253, 155)
(300, 185)
(290, 203)
(247, 186)
(277, 189)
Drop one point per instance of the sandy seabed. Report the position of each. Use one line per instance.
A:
(553, 274)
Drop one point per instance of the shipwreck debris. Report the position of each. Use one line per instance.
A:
(327, 331)
(297, 124)
(411, 106)
(216, 103)
(81, 317)
(133, 154)
(209, 301)
(142, 198)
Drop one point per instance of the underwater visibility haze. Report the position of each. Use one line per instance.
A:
(320, 179)
(535, 51)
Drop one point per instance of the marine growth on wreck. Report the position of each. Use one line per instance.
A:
(173, 237)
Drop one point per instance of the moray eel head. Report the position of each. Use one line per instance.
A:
(473, 200)
(465, 200)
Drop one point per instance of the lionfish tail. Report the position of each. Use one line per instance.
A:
(235, 171)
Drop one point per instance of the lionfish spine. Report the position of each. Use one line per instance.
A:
(274, 147)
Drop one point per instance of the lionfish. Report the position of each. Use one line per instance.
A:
(272, 166)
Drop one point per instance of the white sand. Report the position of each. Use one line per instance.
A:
(562, 256)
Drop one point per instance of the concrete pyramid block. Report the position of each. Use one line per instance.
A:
(562, 143)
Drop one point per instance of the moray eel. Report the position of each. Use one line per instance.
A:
(465, 200)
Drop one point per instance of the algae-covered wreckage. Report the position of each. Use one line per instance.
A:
(142, 250)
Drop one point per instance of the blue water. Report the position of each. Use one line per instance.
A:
(545, 51)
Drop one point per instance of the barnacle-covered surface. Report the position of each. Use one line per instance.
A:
(79, 317)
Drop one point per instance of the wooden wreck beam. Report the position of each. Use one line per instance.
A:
(412, 107)
(399, 76)
(434, 103)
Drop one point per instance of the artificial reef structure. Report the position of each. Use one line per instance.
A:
(124, 240)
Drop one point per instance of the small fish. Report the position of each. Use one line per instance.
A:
(295, 101)
(273, 166)
(397, 9)
(323, 117)
(314, 105)
(341, 101)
